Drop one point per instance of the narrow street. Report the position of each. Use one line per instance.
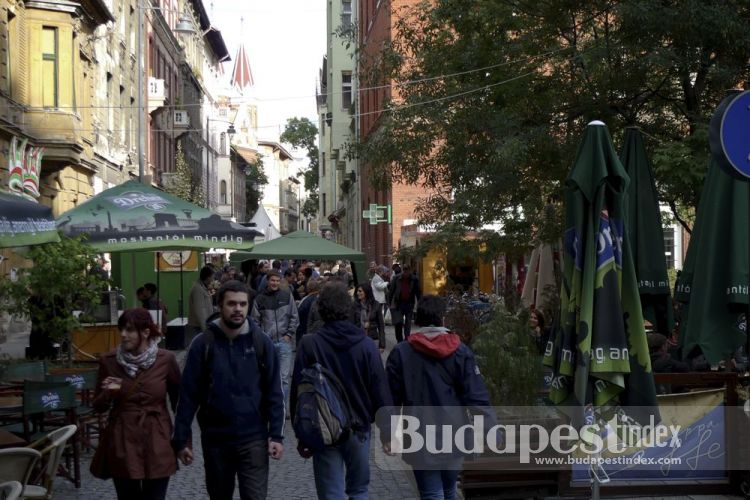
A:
(289, 479)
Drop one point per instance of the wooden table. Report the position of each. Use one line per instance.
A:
(10, 440)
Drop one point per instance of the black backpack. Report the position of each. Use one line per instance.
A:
(324, 416)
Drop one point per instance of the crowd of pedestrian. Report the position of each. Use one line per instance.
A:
(247, 370)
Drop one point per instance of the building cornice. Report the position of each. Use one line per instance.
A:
(97, 12)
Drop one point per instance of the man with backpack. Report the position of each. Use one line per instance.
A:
(232, 379)
(339, 378)
(434, 376)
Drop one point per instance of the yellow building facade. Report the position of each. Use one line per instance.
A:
(47, 96)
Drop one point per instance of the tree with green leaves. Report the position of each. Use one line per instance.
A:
(61, 280)
(301, 133)
(255, 181)
(494, 96)
(185, 185)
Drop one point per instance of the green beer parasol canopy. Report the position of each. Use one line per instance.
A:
(135, 216)
(24, 222)
(644, 229)
(599, 354)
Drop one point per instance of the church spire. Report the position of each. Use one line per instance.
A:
(242, 76)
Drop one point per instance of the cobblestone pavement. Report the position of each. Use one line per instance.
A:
(289, 479)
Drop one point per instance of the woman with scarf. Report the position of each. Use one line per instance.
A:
(369, 315)
(133, 383)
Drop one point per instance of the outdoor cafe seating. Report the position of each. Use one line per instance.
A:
(34, 402)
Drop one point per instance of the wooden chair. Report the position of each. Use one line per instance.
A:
(17, 464)
(10, 490)
(51, 448)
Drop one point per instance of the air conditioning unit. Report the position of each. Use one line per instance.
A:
(181, 119)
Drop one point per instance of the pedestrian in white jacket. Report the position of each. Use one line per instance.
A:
(380, 286)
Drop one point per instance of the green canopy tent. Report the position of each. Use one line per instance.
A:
(24, 222)
(304, 245)
(644, 229)
(600, 355)
(135, 217)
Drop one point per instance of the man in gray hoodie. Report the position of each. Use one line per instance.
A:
(276, 313)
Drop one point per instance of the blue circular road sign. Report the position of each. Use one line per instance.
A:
(735, 134)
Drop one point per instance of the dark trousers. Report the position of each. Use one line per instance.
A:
(402, 323)
(141, 489)
(247, 461)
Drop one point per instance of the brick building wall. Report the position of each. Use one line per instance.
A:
(376, 26)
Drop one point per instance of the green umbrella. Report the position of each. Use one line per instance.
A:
(600, 355)
(304, 245)
(714, 280)
(135, 216)
(643, 226)
(24, 222)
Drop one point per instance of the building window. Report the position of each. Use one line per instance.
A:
(346, 13)
(323, 164)
(49, 67)
(325, 208)
(346, 90)
(223, 143)
(223, 192)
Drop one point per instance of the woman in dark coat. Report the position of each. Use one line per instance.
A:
(133, 383)
(369, 315)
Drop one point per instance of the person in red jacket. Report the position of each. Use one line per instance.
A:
(434, 375)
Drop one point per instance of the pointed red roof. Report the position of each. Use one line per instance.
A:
(242, 76)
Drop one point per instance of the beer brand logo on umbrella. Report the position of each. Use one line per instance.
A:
(76, 380)
(51, 400)
(134, 199)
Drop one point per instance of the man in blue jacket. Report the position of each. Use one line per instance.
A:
(434, 376)
(345, 350)
(232, 379)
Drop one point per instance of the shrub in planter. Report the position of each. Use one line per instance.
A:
(508, 359)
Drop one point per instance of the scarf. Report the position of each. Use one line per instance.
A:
(131, 363)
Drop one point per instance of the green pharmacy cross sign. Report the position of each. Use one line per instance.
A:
(377, 213)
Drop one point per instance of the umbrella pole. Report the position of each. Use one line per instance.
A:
(181, 290)
(158, 287)
(132, 276)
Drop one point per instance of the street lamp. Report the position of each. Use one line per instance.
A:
(230, 132)
(184, 26)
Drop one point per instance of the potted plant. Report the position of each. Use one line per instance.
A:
(511, 366)
(63, 279)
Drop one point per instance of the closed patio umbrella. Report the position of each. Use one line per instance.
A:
(644, 228)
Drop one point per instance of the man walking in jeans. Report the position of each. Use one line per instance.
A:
(232, 380)
(348, 353)
(276, 313)
(404, 293)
